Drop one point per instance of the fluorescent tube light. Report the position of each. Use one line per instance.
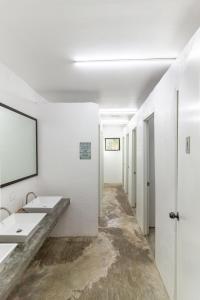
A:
(124, 60)
(117, 111)
(114, 122)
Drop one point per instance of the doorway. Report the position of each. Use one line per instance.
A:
(150, 182)
(123, 161)
(127, 163)
(134, 168)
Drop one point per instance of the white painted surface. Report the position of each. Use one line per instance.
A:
(16, 93)
(101, 168)
(79, 179)
(129, 167)
(62, 128)
(189, 174)
(44, 204)
(151, 174)
(127, 164)
(19, 227)
(6, 250)
(46, 35)
(134, 168)
(163, 103)
(123, 161)
(113, 159)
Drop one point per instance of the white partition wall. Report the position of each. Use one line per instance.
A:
(183, 76)
(189, 174)
(113, 159)
(101, 168)
(16, 93)
(127, 165)
(134, 168)
(162, 102)
(62, 127)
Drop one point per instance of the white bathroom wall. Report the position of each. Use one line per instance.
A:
(16, 93)
(163, 103)
(188, 241)
(101, 168)
(124, 159)
(128, 160)
(62, 128)
(151, 173)
(113, 159)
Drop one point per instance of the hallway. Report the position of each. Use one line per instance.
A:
(117, 265)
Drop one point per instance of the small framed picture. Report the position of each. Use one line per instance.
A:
(85, 150)
(112, 144)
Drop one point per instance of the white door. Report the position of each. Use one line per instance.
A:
(188, 246)
(134, 174)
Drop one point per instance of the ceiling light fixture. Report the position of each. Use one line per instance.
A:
(124, 60)
(114, 122)
(117, 111)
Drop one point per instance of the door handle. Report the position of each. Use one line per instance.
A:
(134, 173)
(174, 215)
(148, 183)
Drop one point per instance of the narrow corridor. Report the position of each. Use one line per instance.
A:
(117, 265)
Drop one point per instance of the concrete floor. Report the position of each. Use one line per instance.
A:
(116, 265)
(151, 239)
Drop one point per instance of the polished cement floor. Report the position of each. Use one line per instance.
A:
(116, 265)
(151, 239)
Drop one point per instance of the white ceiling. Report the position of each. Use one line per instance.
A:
(40, 38)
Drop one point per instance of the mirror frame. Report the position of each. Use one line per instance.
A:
(36, 136)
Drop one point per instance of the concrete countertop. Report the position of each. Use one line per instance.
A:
(13, 268)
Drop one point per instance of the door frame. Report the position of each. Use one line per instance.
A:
(101, 168)
(127, 163)
(134, 167)
(177, 204)
(123, 161)
(146, 172)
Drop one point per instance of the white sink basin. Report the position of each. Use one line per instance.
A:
(44, 204)
(19, 227)
(6, 250)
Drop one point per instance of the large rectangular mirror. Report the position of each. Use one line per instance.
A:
(18, 146)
